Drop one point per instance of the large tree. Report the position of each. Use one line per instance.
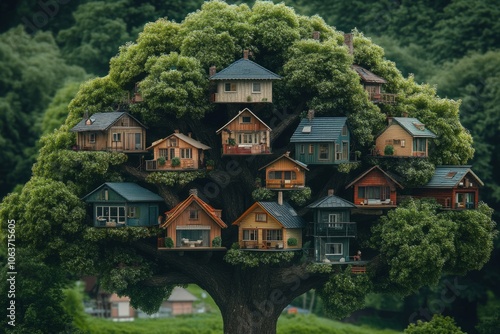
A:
(170, 62)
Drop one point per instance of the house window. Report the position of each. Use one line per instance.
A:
(344, 130)
(374, 192)
(302, 149)
(323, 151)
(465, 200)
(260, 217)
(249, 138)
(246, 119)
(419, 144)
(186, 153)
(172, 142)
(193, 214)
(403, 143)
(117, 137)
(250, 235)
(334, 249)
(333, 219)
(338, 152)
(396, 141)
(285, 175)
(311, 149)
(92, 138)
(114, 214)
(133, 212)
(163, 152)
(345, 148)
(230, 87)
(274, 235)
(256, 87)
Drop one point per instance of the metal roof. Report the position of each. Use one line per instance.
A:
(245, 69)
(318, 129)
(130, 191)
(414, 127)
(284, 214)
(450, 176)
(331, 202)
(101, 121)
(368, 76)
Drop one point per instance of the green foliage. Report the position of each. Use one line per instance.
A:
(292, 242)
(147, 298)
(300, 197)
(162, 161)
(344, 293)
(438, 325)
(217, 242)
(174, 178)
(389, 150)
(262, 194)
(169, 243)
(73, 306)
(176, 162)
(414, 172)
(348, 167)
(246, 259)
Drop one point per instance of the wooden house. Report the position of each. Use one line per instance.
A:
(245, 134)
(110, 131)
(188, 151)
(121, 310)
(375, 188)
(243, 82)
(116, 204)
(193, 223)
(372, 84)
(332, 228)
(322, 140)
(404, 137)
(270, 225)
(285, 173)
(180, 302)
(454, 187)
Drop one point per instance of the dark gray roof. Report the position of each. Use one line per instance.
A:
(414, 127)
(450, 176)
(284, 213)
(245, 69)
(322, 129)
(368, 76)
(331, 202)
(101, 121)
(131, 192)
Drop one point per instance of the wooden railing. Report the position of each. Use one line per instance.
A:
(250, 149)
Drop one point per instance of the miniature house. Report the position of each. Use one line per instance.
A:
(193, 223)
(285, 173)
(243, 82)
(332, 228)
(404, 137)
(123, 204)
(321, 140)
(121, 310)
(110, 131)
(189, 152)
(245, 134)
(454, 187)
(373, 86)
(180, 302)
(375, 188)
(270, 225)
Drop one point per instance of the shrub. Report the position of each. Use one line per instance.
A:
(176, 161)
(217, 242)
(389, 150)
(292, 242)
(169, 243)
(161, 161)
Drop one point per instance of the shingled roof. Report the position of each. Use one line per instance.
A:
(131, 192)
(414, 127)
(450, 176)
(331, 202)
(368, 76)
(101, 121)
(318, 129)
(245, 69)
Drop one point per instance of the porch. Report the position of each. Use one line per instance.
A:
(154, 165)
(345, 229)
(382, 97)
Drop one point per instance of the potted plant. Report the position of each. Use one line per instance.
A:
(231, 142)
(176, 162)
(169, 243)
(292, 242)
(217, 242)
(210, 164)
(389, 150)
(162, 161)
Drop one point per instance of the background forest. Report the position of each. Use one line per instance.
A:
(47, 49)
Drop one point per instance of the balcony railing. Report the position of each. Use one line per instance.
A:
(347, 229)
(153, 165)
(284, 184)
(382, 97)
(245, 149)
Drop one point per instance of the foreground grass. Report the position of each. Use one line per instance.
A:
(212, 324)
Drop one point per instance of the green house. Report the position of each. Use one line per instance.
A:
(322, 141)
(331, 228)
(123, 204)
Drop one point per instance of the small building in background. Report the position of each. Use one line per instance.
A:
(180, 302)
(121, 309)
(285, 173)
(373, 85)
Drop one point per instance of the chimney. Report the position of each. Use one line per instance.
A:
(310, 115)
(212, 70)
(405, 114)
(287, 153)
(280, 197)
(330, 192)
(193, 192)
(245, 54)
(389, 120)
(189, 134)
(316, 35)
(348, 40)
(176, 131)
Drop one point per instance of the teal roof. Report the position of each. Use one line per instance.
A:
(101, 121)
(245, 69)
(450, 176)
(284, 213)
(131, 192)
(414, 127)
(318, 129)
(331, 202)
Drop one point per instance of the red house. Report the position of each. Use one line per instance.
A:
(375, 188)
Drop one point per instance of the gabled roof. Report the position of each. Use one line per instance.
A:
(130, 191)
(414, 127)
(179, 208)
(368, 76)
(450, 176)
(387, 175)
(245, 69)
(318, 129)
(331, 202)
(236, 117)
(285, 156)
(181, 295)
(183, 137)
(101, 121)
(284, 214)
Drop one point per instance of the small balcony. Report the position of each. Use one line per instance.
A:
(284, 184)
(154, 165)
(346, 229)
(382, 97)
(251, 149)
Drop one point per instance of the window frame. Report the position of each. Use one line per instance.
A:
(259, 215)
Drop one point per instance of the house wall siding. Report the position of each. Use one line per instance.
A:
(244, 92)
(375, 178)
(285, 165)
(395, 131)
(194, 162)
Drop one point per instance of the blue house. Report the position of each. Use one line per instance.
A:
(322, 140)
(332, 228)
(123, 204)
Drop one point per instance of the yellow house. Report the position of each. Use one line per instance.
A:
(270, 225)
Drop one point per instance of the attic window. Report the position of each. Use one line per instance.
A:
(419, 126)
(246, 119)
(307, 129)
(451, 175)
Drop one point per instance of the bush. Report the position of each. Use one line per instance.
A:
(389, 150)
(161, 161)
(292, 242)
(169, 243)
(176, 162)
(262, 194)
(217, 242)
